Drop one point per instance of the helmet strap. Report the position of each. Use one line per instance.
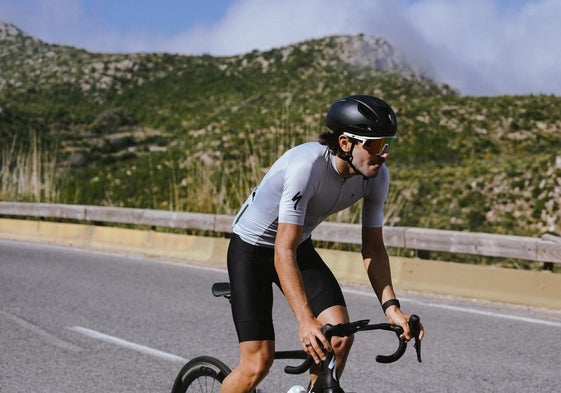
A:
(348, 158)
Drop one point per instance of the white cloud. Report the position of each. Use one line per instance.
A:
(254, 24)
(483, 49)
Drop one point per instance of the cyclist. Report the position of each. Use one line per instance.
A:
(271, 240)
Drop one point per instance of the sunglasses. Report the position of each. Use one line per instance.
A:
(381, 145)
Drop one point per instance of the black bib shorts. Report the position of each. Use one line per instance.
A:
(252, 273)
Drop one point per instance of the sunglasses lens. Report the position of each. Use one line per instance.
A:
(381, 146)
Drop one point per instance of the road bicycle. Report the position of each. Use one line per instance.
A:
(204, 374)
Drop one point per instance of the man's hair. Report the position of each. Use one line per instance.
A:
(331, 140)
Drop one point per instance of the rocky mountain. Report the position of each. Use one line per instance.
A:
(27, 61)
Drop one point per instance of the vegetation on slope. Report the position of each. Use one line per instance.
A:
(196, 133)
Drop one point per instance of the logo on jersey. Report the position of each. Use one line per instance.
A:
(297, 198)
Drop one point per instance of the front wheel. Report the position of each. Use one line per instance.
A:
(203, 374)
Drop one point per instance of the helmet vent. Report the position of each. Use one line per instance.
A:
(367, 112)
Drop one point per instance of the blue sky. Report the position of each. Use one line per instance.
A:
(481, 47)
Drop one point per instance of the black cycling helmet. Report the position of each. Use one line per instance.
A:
(362, 115)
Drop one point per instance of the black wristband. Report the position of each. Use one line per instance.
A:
(388, 303)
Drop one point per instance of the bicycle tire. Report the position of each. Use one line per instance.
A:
(203, 374)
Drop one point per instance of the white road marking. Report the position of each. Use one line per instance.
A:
(489, 313)
(127, 344)
(468, 310)
(48, 337)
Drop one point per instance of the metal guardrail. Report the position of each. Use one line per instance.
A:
(546, 249)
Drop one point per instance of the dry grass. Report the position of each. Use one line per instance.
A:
(28, 174)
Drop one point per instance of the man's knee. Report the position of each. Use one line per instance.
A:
(256, 359)
(342, 345)
(256, 369)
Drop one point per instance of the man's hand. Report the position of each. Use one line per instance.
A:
(397, 317)
(313, 340)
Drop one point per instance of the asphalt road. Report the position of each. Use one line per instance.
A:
(74, 320)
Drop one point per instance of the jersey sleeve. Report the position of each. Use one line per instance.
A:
(375, 199)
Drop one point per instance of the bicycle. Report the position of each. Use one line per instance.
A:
(204, 374)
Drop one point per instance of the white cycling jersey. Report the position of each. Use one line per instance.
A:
(303, 187)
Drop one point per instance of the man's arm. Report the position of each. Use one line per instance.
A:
(286, 243)
(377, 265)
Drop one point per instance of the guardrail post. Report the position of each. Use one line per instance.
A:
(551, 238)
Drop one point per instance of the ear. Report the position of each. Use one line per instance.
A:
(345, 143)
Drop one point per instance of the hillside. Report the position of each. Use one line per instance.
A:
(195, 133)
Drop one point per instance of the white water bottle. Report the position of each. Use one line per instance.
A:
(297, 389)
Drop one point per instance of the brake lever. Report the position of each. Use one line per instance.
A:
(415, 326)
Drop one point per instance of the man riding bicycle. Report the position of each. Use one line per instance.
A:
(271, 240)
